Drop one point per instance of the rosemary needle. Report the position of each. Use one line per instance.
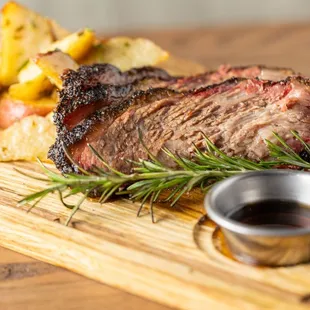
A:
(151, 177)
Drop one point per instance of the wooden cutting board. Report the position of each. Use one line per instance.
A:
(173, 261)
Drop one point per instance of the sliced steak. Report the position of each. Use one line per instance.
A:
(89, 88)
(76, 140)
(226, 72)
(237, 115)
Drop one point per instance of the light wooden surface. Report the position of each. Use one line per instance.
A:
(274, 45)
(170, 262)
(28, 284)
(191, 278)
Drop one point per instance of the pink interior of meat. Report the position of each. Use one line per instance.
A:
(82, 112)
(187, 83)
(249, 114)
(80, 150)
(237, 115)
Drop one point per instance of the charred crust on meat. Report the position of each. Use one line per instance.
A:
(69, 102)
(89, 76)
(118, 92)
(67, 138)
(93, 83)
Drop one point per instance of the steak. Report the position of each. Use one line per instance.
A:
(225, 72)
(89, 88)
(237, 115)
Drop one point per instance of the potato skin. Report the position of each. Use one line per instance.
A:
(12, 110)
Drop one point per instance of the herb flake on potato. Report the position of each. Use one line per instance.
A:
(23, 34)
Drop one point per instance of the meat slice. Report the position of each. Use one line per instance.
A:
(89, 129)
(89, 89)
(237, 115)
(226, 72)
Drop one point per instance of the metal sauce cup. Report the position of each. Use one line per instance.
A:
(259, 244)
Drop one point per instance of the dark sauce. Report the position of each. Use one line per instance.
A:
(275, 214)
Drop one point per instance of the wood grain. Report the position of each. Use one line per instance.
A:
(29, 284)
(161, 262)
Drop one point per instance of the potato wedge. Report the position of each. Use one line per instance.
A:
(53, 65)
(28, 139)
(126, 53)
(33, 83)
(77, 45)
(12, 110)
(33, 89)
(24, 33)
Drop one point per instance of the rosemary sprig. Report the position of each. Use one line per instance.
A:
(151, 177)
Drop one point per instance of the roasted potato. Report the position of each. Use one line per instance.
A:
(12, 110)
(77, 44)
(33, 89)
(53, 65)
(35, 51)
(126, 53)
(33, 83)
(23, 33)
(27, 139)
